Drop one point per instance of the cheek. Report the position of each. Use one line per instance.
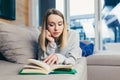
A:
(62, 29)
(50, 30)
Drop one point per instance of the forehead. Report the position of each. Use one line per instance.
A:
(54, 18)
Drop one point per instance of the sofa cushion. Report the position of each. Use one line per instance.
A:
(9, 71)
(104, 58)
(17, 44)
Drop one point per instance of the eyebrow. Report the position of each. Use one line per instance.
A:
(60, 21)
(54, 22)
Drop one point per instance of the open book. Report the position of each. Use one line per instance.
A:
(39, 67)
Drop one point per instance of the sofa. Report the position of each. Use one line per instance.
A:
(104, 65)
(20, 43)
(9, 71)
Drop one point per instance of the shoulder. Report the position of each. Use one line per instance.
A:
(72, 33)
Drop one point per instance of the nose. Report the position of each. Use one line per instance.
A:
(56, 27)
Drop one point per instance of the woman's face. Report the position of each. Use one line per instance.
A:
(55, 25)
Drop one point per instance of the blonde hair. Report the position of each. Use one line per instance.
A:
(63, 38)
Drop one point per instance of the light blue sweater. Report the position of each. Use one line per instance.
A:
(69, 54)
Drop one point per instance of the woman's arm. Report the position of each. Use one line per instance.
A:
(73, 50)
(68, 56)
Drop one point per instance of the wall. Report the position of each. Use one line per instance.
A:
(21, 13)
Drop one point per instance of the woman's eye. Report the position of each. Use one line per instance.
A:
(51, 24)
(60, 24)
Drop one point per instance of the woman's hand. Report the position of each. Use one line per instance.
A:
(49, 37)
(51, 59)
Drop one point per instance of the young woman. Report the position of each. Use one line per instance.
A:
(57, 45)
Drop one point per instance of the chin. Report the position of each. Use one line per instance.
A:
(56, 36)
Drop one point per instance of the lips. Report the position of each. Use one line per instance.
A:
(56, 33)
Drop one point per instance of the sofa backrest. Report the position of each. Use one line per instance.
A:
(18, 43)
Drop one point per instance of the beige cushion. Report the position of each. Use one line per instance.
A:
(9, 71)
(17, 44)
(113, 46)
(104, 58)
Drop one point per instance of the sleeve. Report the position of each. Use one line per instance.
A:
(73, 53)
(51, 48)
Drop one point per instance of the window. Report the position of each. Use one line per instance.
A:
(60, 5)
(82, 18)
(96, 20)
(110, 23)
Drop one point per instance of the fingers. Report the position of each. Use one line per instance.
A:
(51, 59)
(49, 37)
(57, 61)
(48, 33)
(48, 58)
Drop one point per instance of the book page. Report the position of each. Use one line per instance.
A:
(40, 64)
(33, 67)
(39, 67)
(34, 71)
(53, 67)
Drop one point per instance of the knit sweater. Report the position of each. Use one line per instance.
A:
(67, 55)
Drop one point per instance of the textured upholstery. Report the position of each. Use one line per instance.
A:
(17, 44)
(9, 71)
(104, 65)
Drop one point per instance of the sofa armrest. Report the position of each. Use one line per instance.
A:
(12, 69)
